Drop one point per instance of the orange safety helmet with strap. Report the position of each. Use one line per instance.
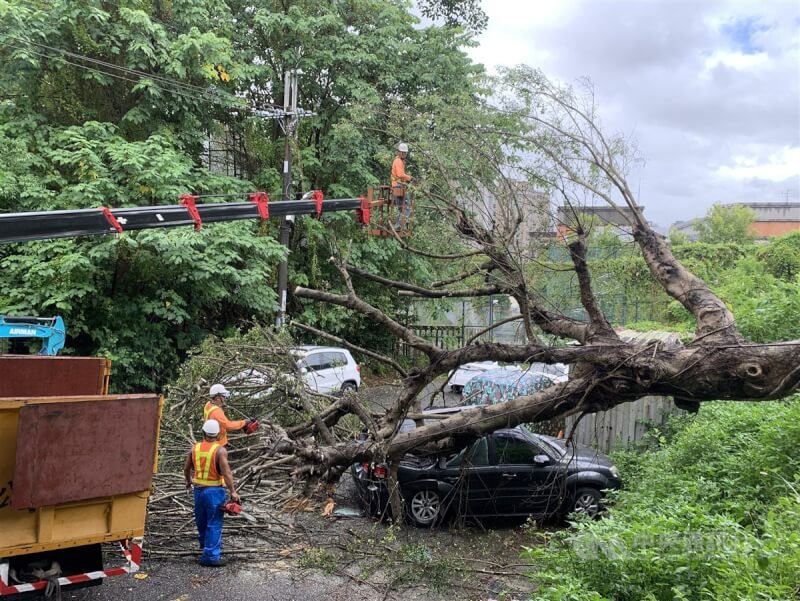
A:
(204, 458)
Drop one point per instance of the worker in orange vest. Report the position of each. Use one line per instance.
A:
(208, 461)
(213, 410)
(400, 181)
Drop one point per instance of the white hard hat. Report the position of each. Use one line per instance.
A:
(219, 389)
(211, 427)
(402, 147)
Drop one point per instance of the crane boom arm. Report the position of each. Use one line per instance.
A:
(51, 330)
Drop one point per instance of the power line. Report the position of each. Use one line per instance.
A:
(179, 88)
(97, 61)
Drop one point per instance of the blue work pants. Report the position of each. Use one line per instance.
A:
(403, 204)
(208, 501)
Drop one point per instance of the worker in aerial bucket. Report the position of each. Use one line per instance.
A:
(213, 410)
(400, 181)
(208, 470)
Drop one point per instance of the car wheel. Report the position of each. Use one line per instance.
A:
(349, 387)
(424, 507)
(586, 501)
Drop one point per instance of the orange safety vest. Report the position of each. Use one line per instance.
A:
(223, 433)
(204, 458)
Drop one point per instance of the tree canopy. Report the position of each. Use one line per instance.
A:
(115, 105)
(726, 224)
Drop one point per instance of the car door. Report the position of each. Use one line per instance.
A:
(313, 362)
(531, 478)
(329, 372)
(336, 375)
(471, 474)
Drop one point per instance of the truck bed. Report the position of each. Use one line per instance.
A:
(75, 470)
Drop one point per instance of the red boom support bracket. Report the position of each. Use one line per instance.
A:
(190, 202)
(363, 212)
(111, 219)
(318, 198)
(261, 200)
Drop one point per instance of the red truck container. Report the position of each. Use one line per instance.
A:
(76, 467)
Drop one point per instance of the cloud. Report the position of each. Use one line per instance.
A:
(779, 166)
(710, 90)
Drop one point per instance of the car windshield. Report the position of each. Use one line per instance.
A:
(476, 454)
(555, 449)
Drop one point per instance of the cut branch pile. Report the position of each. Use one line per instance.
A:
(270, 467)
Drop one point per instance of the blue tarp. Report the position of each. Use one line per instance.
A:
(503, 384)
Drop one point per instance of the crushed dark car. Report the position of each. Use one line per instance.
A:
(511, 472)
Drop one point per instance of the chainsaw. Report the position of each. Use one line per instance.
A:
(232, 508)
(251, 424)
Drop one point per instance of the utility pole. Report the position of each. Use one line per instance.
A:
(287, 118)
(289, 124)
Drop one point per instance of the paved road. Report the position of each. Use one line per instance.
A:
(182, 579)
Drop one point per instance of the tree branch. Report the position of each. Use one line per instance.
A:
(413, 290)
(492, 327)
(457, 278)
(356, 304)
(600, 327)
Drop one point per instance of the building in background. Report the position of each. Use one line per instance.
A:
(772, 219)
(499, 209)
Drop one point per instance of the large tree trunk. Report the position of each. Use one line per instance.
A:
(574, 159)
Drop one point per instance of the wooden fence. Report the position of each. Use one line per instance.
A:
(617, 428)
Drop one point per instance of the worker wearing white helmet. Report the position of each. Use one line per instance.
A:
(400, 180)
(208, 470)
(213, 410)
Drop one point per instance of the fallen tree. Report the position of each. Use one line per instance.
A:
(570, 156)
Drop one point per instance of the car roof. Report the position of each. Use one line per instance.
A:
(308, 348)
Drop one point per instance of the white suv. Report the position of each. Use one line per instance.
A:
(328, 369)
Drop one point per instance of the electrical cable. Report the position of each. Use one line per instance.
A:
(179, 92)
(179, 88)
(98, 61)
(158, 78)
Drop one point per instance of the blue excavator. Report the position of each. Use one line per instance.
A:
(51, 330)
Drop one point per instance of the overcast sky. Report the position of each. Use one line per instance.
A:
(710, 89)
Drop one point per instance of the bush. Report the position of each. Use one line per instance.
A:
(714, 514)
(782, 257)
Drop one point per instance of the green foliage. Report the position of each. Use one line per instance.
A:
(765, 307)
(713, 514)
(320, 559)
(759, 282)
(678, 237)
(143, 300)
(782, 257)
(80, 134)
(465, 13)
(711, 261)
(726, 224)
(423, 567)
